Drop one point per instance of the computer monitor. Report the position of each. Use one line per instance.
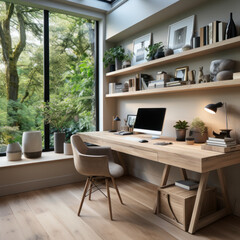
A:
(150, 121)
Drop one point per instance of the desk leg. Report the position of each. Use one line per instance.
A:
(184, 173)
(198, 203)
(163, 182)
(224, 189)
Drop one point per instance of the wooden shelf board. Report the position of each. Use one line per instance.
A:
(196, 52)
(184, 88)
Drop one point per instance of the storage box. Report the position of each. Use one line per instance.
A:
(176, 204)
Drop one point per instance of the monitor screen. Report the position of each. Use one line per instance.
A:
(150, 120)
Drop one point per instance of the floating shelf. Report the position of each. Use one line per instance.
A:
(184, 88)
(196, 52)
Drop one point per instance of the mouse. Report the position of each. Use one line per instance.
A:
(143, 141)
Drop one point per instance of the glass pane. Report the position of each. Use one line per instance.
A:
(21, 71)
(72, 84)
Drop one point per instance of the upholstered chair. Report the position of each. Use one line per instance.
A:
(95, 162)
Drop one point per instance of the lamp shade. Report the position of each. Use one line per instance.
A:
(117, 118)
(212, 108)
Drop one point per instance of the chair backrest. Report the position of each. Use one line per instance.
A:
(88, 165)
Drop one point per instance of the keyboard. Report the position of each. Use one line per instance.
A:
(124, 133)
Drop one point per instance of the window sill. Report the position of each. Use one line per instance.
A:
(46, 157)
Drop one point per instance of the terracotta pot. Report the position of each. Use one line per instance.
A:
(181, 134)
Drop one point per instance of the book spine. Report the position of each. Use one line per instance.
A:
(201, 36)
(210, 26)
(215, 31)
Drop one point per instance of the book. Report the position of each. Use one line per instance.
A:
(210, 33)
(221, 139)
(221, 31)
(215, 31)
(201, 36)
(144, 85)
(187, 184)
(206, 35)
(221, 144)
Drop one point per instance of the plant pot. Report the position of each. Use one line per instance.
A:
(112, 68)
(159, 54)
(32, 144)
(59, 139)
(68, 149)
(181, 134)
(14, 152)
(126, 64)
(198, 136)
(118, 64)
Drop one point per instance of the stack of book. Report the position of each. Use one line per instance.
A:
(175, 83)
(212, 33)
(221, 142)
(187, 184)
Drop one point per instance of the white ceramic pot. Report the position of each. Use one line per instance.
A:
(68, 149)
(32, 144)
(14, 152)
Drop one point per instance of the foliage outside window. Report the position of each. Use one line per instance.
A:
(21, 70)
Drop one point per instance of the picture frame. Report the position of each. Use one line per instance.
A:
(139, 49)
(182, 73)
(131, 120)
(181, 33)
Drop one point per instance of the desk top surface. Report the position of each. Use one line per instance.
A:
(178, 154)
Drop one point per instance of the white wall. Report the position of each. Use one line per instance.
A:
(188, 105)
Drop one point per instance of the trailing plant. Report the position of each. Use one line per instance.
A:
(181, 124)
(113, 53)
(198, 124)
(152, 49)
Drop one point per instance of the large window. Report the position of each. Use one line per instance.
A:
(71, 79)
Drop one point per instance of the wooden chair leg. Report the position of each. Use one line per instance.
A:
(90, 189)
(84, 195)
(115, 186)
(109, 198)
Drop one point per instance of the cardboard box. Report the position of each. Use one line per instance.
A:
(176, 204)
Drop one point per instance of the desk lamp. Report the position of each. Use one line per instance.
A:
(114, 119)
(212, 108)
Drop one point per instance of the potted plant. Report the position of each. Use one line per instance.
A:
(113, 57)
(198, 131)
(181, 127)
(155, 51)
(127, 60)
(59, 114)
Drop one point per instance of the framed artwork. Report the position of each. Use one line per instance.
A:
(139, 52)
(180, 34)
(131, 120)
(181, 73)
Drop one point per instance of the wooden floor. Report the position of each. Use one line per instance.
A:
(51, 214)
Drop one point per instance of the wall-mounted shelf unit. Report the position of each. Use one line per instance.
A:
(193, 53)
(185, 88)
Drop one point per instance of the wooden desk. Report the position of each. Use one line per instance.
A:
(178, 154)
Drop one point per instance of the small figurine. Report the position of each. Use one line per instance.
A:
(201, 77)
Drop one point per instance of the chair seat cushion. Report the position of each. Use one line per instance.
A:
(115, 169)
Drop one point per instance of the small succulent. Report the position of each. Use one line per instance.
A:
(181, 124)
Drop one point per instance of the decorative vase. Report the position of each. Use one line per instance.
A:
(68, 149)
(159, 54)
(181, 134)
(231, 29)
(14, 152)
(112, 68)
(118, 64)
(59, 139)
(198, 136)
(32, 144)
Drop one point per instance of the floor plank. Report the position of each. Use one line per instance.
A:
(52, 214)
